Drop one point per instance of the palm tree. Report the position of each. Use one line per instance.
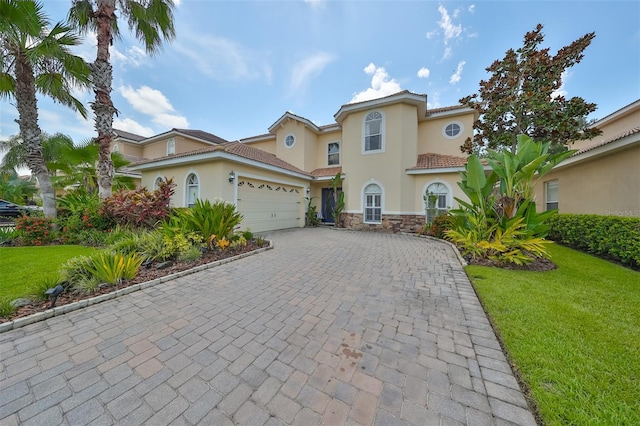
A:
(77, 167)
(34, 58)
(151, 21)
(15, 153)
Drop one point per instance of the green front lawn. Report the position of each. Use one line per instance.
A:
(23, 266)
(573, 334)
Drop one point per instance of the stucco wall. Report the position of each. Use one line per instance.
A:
(431, 139)
(607, 185)
(159, 149)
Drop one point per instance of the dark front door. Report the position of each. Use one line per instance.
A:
(328, 205)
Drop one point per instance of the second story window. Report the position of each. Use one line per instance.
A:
(171, 146)
(373, 132)
(333, 154)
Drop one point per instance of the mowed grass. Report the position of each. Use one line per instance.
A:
(21, 267)
(573, 334)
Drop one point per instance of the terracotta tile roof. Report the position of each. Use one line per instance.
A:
(326, 172)
(438, 161)
(444, 109)
(200, 134)
(132, 158)
(251, 153)
(128, 135)
(235, 148)
(619, 136)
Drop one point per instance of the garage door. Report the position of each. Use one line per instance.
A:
(267, 206)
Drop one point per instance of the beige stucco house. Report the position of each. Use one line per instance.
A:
(389, 151)
(603, 177)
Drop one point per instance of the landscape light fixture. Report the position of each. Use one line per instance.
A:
(53, 293)
(232, 176)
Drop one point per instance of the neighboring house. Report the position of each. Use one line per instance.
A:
(390, 152)
(603, 177)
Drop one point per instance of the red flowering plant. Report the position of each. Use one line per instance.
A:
(35, 231)
(140, 207)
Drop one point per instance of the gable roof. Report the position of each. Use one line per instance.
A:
(234, 151)
(128, 135)
(404, 96)
(200, 134)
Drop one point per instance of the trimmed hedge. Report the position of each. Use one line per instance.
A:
(612, 237)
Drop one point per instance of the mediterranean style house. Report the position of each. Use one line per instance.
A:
(390, 152)
(603, 176)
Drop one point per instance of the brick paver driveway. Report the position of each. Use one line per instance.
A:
(331, 327)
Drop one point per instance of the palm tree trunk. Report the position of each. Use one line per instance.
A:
(103, 108)
(27, 106)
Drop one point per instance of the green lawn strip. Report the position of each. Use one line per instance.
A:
(573, 333)
(20, 267)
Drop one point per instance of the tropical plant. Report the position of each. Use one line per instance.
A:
(151, 21)
(139, 207)
(311, 217)
(75, 167)
(35, 231)
(500, 222)
(77, 269)
(213, 221)
(113, 267)
(36, 58)
(14, 189)
(15, 151)
(338, 198)
(522, 97)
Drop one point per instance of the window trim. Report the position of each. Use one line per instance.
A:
(546, 195)
(171, 146)
(115, 148)
(287, 137)
(156, 180)
(335, 153)
(382, 133)
(187, 186)
(364, 202)
(450, 123)
(449, 195)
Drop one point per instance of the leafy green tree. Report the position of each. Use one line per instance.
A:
(521, 97)
(36, 58)
(14, 189)
(151, 21)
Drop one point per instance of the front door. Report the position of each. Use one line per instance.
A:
(328, 205)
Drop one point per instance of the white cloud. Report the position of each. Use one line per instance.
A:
(424, 72)
(561, 91)
(307, 69)
(457, 75)
(381, 85)
(132, 126)
(472, 8)
(155, 104)
(222, 59)
(316, 4)
(450, 30)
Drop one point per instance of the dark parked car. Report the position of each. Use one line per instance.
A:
(8, 209)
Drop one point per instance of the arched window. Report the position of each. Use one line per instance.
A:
(115, 148)
(171, 146)
(373, 130)
(158, 182)
(192, 189)
(372, 204)
(436, 199)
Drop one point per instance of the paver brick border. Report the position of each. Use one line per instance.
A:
(61, 310)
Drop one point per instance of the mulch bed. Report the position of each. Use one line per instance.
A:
(538, 264)
(144, 274)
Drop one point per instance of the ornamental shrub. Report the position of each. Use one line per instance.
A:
(613, 237)
(139, 207)
(35, 231)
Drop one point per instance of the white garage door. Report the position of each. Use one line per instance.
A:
(267, 206)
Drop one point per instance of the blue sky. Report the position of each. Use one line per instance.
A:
(236, 66)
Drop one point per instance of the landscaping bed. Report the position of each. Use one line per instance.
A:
(146, 273)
